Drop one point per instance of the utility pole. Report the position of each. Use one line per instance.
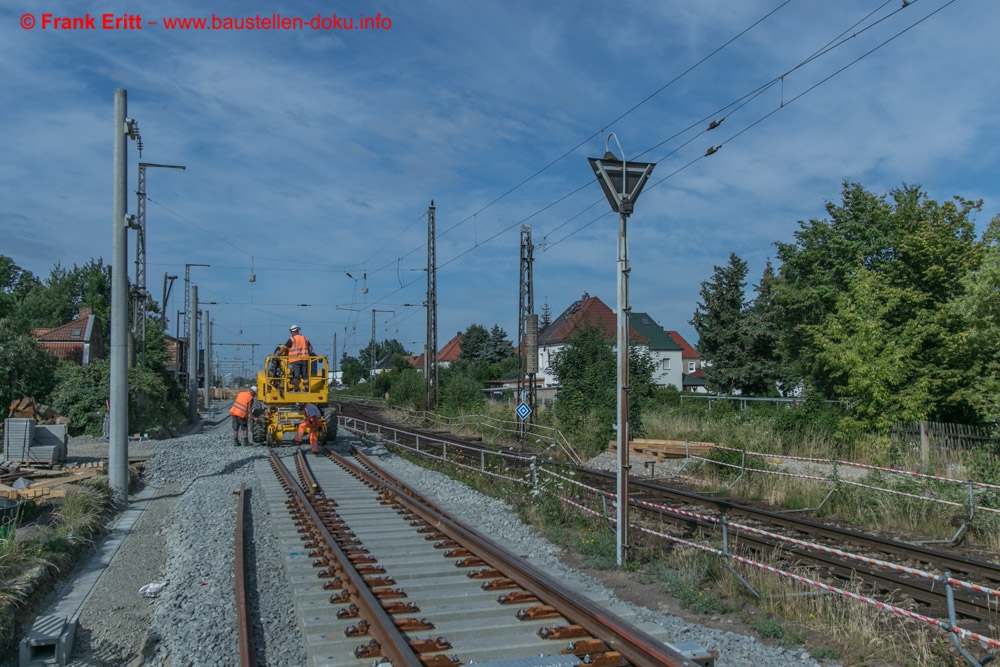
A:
(187, 315)
(208, 361)
(192, 380)
(167, 288)
(622, 183)
(334, 355)
(527, 330)
(430, 354)
(139, 308)
(179, 359)
(124, 128)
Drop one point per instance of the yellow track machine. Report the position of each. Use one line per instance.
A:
(283, 406)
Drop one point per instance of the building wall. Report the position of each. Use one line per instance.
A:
(673, 374)
(545, 356)
(663, 377)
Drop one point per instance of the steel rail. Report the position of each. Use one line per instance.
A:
(637, 647)
(308, 479)
(244, 632)
(970, 604)
(394, 646)
(939, 559)
(946, 561)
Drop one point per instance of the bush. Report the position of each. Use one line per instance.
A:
(82, 391)
(80, 394)
(408, 390)
(460, 390)
(24, 366)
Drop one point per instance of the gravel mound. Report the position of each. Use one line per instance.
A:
(186, 541)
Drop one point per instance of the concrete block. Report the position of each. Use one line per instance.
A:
(51, 434)
(49, 642)
(18, 436)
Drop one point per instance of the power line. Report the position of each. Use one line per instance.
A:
(732, 106)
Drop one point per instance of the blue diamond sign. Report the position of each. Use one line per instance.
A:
(523, 410)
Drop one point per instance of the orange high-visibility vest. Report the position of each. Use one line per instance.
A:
(241, 406)
(300, 348)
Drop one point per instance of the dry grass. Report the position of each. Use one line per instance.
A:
(857, 632)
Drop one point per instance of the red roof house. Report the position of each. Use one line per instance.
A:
(589, 311)
(450, 351)
(80, 341)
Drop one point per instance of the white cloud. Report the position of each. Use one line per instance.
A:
(316, 152)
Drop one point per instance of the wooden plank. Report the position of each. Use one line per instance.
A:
(32, 494)
(77, 476)
(665, 449)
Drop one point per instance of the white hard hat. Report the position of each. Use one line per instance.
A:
(294, 327)
(253, 389)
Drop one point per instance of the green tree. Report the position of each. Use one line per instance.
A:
(497, 346)
(920, 251)
(587, 368)
(761, 322)
(352, 370)
(719, 321)
(475, 340)
(154, 398)
(545, 319)
(56, 300)
(24, 366)
(15, 283)
(978, 311)
(874, 365)
(383, 349)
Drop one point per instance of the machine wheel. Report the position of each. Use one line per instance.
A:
(269, 439)
(259, 433)
(330, 417)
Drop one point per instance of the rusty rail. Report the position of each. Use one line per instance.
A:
(247, 648)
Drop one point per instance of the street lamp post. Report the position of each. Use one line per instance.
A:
(622, 182)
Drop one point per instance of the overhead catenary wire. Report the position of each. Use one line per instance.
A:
(732, 107)
(827, 48)
(830, 46)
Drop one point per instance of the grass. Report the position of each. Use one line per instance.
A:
(54, 536)
(692, 577)
(45, 537)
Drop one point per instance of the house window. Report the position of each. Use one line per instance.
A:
(74, 333)
(691, 368)
(666, 364)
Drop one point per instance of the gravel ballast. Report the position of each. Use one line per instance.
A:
(185, 540)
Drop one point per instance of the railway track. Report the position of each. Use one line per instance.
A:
(379, 573)
(915, 572)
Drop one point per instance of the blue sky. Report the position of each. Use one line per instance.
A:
(313, 154)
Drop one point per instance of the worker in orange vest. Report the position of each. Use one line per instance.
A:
(241, 415)
(312, 422)
(299, 350)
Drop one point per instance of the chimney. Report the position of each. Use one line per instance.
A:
(84, 312)
(585, 296)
